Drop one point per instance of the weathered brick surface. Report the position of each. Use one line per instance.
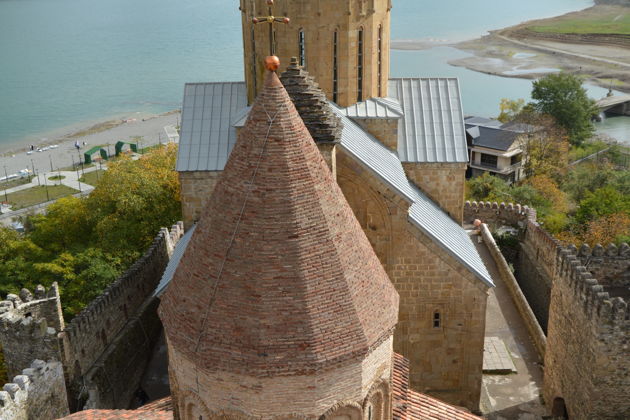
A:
(587, 358)
(308, 395)
(196, 189)
(319, 20)
(445, 362)
(442, 182)
(37, 393)
(289, 298)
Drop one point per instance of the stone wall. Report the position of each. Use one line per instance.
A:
(38, 393)
(525, 311)
(446, 361)
(496, 215)
(96, 329)
(319, 21)
(196, 188)
(587, 359)
(385, 130)
(443, 183)
(116, 375)
(28, 328)
(610, 265)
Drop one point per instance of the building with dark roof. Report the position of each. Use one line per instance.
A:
(496, 148)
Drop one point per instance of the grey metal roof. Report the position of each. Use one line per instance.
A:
(207, 136)
(387, 108)
(178, 252)
(424, 213)
(494, 138)
(483, 121)
(432, 129)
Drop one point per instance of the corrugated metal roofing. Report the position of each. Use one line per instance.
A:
(387, 108)
(178, 252)
(483, 121)
(424, 213)
(207, 136)
(432, 129)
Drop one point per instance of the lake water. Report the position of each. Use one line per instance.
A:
(64, 62)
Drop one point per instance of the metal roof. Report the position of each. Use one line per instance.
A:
(424, 213)
(178, 252)
(493, 138)
(386, 108)
(432, 129)
(207, 136)
(487, 122)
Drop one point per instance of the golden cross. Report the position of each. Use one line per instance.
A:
(271, 20)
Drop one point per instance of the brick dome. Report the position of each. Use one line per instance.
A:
(278, 278)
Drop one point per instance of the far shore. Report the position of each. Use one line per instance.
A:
(518, 52)
(147, 130)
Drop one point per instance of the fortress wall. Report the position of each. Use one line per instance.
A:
(29, 325)
(38, 393)
(116, 375)
(610, 265)
(587, 357)
(97, 327)
(496, 215)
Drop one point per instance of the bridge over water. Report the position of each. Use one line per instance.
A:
(616, 104)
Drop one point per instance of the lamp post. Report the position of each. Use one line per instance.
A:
(6, 179)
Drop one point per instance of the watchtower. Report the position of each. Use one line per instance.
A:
(344, 45)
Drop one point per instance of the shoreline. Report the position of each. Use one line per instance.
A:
(516, 52)
(106, 132)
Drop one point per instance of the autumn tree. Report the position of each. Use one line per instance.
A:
(510, 109)
(544, 143)
(613, 228)
(562, 96)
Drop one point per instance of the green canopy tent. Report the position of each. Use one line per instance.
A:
(121, 144)
(89, 153)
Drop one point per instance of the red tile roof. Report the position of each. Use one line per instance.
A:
(412, 405)
(278, 277)
(157, 410)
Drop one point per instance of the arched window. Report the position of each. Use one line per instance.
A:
(302, 47)
(380, 60)
(335, 67)
(360, 66)
(437, 319)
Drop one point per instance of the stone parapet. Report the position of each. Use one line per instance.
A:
(38, 393)
(499, 214)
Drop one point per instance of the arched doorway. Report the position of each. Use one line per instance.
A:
(559, 409)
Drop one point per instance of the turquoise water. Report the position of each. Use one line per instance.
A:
(64, 62)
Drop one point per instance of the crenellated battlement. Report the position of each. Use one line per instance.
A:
(594, 300)
(38, 393)
(493, 213)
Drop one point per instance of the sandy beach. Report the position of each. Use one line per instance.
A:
(150, 128)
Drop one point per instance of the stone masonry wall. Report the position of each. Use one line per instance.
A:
(96, 328)
(443, 183)
(496, 215)
(446, 361)
(587, 359)
(385, 130)
(38, 393)
(610, 265)
(196, 188)
(116, 375)
(29, 325)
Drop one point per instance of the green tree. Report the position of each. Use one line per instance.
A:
(602, 202)
(562, 96)
(510, 108)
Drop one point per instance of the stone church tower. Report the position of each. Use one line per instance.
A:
(279, 307)
(344, 44)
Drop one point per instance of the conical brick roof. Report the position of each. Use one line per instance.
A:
(278, 277)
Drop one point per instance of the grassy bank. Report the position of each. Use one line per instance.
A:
(608, 22)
